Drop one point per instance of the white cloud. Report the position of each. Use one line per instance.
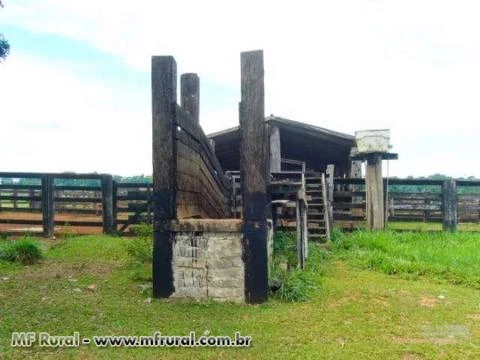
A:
(54, 121)
(412, 66)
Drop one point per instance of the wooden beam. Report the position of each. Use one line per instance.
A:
(164, 156)
(330, 173)
(449, 205)
(253, 168)
(374, 189)
(190, 95)
(107, 204)
(48, 206)
(275, 149)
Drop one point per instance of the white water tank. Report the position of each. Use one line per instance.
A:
(371, 141)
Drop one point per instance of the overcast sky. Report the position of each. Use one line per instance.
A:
(75, 91)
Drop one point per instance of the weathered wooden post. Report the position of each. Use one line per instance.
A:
(253, 168)
(356, 173)
(107, 204)
(190, 95)
(330, 173)
(275, 150)
(115, 204)
(374, 189)
(449, 205)
(48, 206)
(15, 195)
(373, 147)
(164, 156)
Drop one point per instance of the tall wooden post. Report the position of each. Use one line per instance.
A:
(356, 173)
(253, 167)
(164, 156)
(275, 150)
(107, 204)
(190, 95)
(115, 205)
(48, 206)
(330, 176)
(374, 189)
(449, 205)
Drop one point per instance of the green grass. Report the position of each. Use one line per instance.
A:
(421, 226)
(451, 257)
(25, 251)
(359, 313)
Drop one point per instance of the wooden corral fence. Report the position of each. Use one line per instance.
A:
(409, 200)
(203, 190)
(44, 206)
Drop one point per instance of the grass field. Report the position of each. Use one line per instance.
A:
(361, 310)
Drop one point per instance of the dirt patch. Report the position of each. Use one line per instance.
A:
(59, 270)
(381, 301)
(350, 297)
(410, 340)
(411, 357)
(427, 301)
(475, 317)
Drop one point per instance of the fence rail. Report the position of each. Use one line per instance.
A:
(408, 200)
(34, 207)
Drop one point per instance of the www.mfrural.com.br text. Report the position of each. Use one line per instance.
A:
(45, 339)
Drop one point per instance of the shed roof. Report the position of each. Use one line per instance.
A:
(313, 144)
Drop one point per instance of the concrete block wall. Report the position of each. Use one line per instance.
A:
(208, 260)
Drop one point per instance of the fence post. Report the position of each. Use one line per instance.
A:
(164, 156)
(374, 190)
(330, 173)
(275, 151)
(449, 205)
(190, 95)
(107, 203)
(48, 206)
(114, 204)
(253, 166)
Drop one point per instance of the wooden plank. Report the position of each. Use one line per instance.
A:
(374, 188)
(48, 206)
(164, 156)
(449, 195)
(107, 204)
(253, 168)
(326, 218)
(275, 149)
(190, 95)
(21, 221)
(77, 200)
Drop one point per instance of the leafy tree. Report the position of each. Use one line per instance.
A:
(4, 45)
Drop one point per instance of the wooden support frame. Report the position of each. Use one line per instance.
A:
(48, 206)
(190, 95)
(275, 148)
(449, 205)
(330, 173)
(164, 156)
(107, 204)
(374, 189)
(326, 209)
(254, 168)
(302, 229)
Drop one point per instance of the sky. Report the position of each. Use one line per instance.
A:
(75, 91)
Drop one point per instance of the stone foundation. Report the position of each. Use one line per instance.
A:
(208, 260)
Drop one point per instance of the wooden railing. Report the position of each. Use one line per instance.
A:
(418, 200)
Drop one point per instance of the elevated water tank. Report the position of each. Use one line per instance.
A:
(372, 141)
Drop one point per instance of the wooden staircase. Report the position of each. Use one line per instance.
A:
(317, 229)
(284, 189)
